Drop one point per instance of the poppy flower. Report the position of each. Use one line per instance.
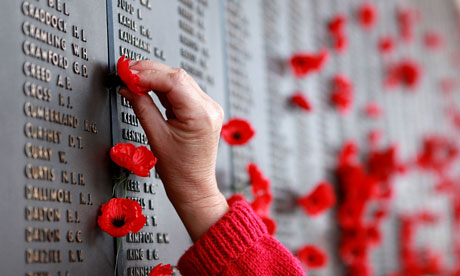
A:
(349, 214)
(237, 132)
(312, 256)
(270, 223)
(437, 154)
(354, 250)
(129, 79)
(120, 216)
(259, 183)
(337, 30)
(319, 200)
(299, 100)
(383, 164)
(303, 63)
(373, 110)
(360, 269)
(406, 19)
(373, 234)
(161, 270)
(367, 15)
(386, 44)
(433, 40)
(373, 137)
(139, 160)
(261, 204)
(342, 96)
(407, 73)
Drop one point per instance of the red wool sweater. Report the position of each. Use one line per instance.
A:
(238, 244)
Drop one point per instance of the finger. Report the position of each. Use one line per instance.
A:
(166, 104)
(182, 91)
(149, 116)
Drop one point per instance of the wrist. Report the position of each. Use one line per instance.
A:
(199, 215)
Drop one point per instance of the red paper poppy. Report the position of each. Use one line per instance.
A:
(270, 223)
(354, 250)
(261, 204)
(360, 269)
(406, 20)
(373, 110)
(319, 200)
(367, 15)
(374, 137)
(384, 164)
(350, 214)
(386, 44)
(129, 79)
(407, 73)
(303, 64)
(237, 132)
(299, 100)
(139, 160)
(438, 153)
(120, 216)
(312, 256)
(373, 234)
(337, 30)
(433, 40)
(342, 97)
(259, 183)
(161, 270)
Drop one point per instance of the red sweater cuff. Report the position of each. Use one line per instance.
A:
(224, 242)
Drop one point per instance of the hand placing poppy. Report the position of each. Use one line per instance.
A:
(130, 79)
(318, 201)
(312, 256)
(237, 132)
(300, 101)
(367, 15)
(120, 216)
(161, 270)
(139, 160)
(304, 63)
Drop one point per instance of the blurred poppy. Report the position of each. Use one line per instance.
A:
(312, 256)
(319, 200)
(299, 100)
(367, 15)
(303, 63)
(237, 132)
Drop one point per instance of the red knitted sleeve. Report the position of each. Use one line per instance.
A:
(238, 244)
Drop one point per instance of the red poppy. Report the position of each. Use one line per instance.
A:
(438, 153)
(312, 256)
(130, 80)
(350, 214)
(386, 44)
(447, 85)
(261, 204)
(303, 64)
(120, 216)
(299, 100)
(319, 200)
(237, 132)
(337, 30)
(373, 234)
(161, 270)
(406, 20)
(374, 137)
(139, 160)
(270, 223)
(433, 40)
(348, 154)
(342, 97)
(407, 73)
(373, 110)
(367, 15)
(354, 250)
(384, 164)
(259, 183)
(360, 269)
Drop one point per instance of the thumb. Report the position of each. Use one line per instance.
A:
(149, 116)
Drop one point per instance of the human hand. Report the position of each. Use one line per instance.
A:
(185, 144)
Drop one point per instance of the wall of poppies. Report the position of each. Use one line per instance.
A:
(342, 130)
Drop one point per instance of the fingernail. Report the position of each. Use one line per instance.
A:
(133, 62)
(135, 72)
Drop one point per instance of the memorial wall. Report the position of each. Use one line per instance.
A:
(59, 118)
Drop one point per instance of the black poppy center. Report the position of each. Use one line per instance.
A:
(311, 259)
(119, 221)
(237, 136)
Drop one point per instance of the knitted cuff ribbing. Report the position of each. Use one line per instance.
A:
(224, 242)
